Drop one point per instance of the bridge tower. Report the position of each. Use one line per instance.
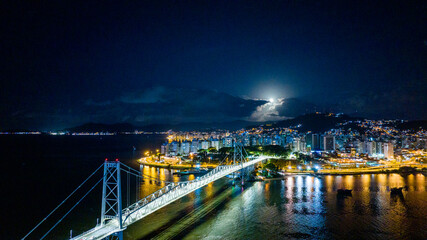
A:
(239, 157)
(112, 196)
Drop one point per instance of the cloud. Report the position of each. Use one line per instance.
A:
(169, 105)
(268, 112)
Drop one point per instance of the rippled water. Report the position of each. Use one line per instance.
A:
(297, 207)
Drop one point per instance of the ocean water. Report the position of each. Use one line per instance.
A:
(40, 171)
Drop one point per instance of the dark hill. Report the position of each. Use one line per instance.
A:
(314, 122)
(413, 125)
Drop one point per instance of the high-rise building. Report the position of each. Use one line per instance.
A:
(315, 142)
(329, 143)
(215, 143)
(299, 145)
(371, 148)
(388, 150)
(205, 144)
(360, 147)
(185, 148)
(195, 146)
(164, 149)
(174, 148)
(228, 142)
(277, 140)
(246, 141)
(379, 148)
(254, 141)
(267, 140)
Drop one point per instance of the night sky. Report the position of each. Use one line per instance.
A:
(204, 61)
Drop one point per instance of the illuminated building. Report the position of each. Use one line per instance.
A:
(316, 142)
(174, 148)
(228, 142)
(164, 149)
(185, 148)
(246, 141)
(195, 146)
(215, 143)
(329, 143)
(254, 141)
(299, 145)
(388, 150)
(205, 144)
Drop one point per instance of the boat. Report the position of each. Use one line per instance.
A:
(396, 191)
(195, 172)
(344, 192)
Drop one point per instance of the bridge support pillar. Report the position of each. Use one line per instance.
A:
(112, 195)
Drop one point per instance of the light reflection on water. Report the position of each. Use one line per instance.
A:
(297, 207)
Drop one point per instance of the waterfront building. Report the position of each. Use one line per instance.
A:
(316, 142)
(329, 143)
(215, 144)
(228, 142)
(360, 147)
(379, 148)
(195, 146)
(185, 148)
(276, 140)
(246, 141)
(254, 141)
(353, 152)
(205, 144)
(289, 138)
(174, 148)
(388, 150)
(371, 148)
(164, 149)
(267, 140)
(299, 145)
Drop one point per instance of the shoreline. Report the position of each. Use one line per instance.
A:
(333, 174)
(175, 166)
(325, 173)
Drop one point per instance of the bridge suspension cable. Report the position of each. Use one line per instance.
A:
(56, 208)
(81, 199)
(140, 174)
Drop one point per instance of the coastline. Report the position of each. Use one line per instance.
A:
(176, 166)
(287, 172)
(335, 174)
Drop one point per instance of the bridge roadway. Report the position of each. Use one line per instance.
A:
(161, 198)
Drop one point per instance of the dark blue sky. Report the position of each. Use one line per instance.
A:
(57, 57)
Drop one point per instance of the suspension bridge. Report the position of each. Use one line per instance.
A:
(115, 218)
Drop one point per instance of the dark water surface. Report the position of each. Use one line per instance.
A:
(40, 171)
